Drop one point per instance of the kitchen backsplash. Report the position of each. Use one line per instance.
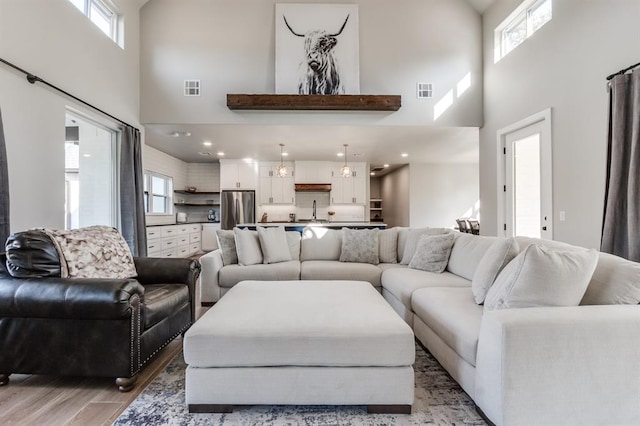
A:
(344, 213)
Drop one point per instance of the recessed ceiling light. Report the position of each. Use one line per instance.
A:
(404, 154)
(248, 160)
(177, 134)
(385, 166)
(205, 153)
(340, 154)
(372, 173)
(220, 154)
(207, 143)
(285, 154)
(86, 155)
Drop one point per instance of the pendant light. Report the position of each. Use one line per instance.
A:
(345, 171)
(281, 170)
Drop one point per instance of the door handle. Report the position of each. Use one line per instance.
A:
(544, 228)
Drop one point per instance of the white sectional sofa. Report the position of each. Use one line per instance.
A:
(522, 366)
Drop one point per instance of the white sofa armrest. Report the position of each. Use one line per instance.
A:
(574, 365)
(211, 264)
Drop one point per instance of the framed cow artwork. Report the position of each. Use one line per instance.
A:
(317, 51)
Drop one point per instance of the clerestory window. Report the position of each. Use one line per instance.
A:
(528, 18)
(103, 14)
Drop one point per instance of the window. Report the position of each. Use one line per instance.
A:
(90, 173)
(157, 193)
(528, 18)
(102, 13)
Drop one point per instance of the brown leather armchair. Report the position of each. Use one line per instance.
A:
(94, 327)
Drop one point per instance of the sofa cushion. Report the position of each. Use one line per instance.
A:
(467, 251)
(453, 315)
(385, 266)
(413, 237)
(432, 253)
(248, 247)
(32, 254)
(231, 275)
(227, 245)
(360, 245)
(293, 239)
(500, 253)
(388, 245)
(319, 243)
(403, 235)
(615, 281)
(274, 244)
(336, 270)
(402, 282)
(161, 300)
(540, 276)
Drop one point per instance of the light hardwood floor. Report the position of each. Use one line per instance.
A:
(47, 400)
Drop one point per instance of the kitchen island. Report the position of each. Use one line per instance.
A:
(299, 226)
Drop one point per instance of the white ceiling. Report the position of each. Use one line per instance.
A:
(373, 144)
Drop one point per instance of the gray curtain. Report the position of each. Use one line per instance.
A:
(621, 224)
(4, 190)
(132, 216)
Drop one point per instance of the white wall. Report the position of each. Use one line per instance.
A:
(230, 47)
(54, 41)
(563, 66)
(441, 193)
(395, 197)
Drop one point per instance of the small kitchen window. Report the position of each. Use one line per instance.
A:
(157, 193)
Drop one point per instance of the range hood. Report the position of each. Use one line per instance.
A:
(313, 187)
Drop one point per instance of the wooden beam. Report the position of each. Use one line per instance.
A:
(315, 102)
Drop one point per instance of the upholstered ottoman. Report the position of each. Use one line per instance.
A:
(300, 343)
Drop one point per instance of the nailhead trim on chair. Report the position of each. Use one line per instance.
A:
(164, 344)
(135, 314)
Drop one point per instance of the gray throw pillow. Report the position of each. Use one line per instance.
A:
(388, 245)
(274, 244)
(495, 258)
(360, 245)
(227, 246)
(540, 276)
(413, 238)
(432, 253)
(248, 247)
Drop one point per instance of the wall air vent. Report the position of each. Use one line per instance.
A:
(192, 87)
(424, 90)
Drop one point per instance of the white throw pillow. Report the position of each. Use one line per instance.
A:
(274, 244)
(432, 253)
(414, 237)
(540, 276)
(360, 245)
(388, 245)
(227, 246)
(247, 246)
(615, 281)
(499, 254)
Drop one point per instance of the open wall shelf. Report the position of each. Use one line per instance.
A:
(315, 102)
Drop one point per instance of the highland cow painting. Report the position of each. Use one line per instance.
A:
(317, 49)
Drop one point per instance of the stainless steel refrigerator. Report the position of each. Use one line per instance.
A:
(237, 207)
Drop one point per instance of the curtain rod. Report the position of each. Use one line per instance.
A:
(623, 71)
(31, 78)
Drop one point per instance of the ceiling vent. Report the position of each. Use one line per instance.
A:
(192, 87)
(377, 169)
(424, 90)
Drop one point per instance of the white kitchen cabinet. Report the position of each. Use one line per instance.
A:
(274, 189)
(238, 174)
(173, 240)
(313, 172)
(349, 190)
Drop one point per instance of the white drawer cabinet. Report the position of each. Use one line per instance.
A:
(181, 240)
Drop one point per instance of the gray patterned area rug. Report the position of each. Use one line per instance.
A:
(439, 400)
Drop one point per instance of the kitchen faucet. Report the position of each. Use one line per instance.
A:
(314, 211)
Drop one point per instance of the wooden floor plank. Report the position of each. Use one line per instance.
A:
(95, 413)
